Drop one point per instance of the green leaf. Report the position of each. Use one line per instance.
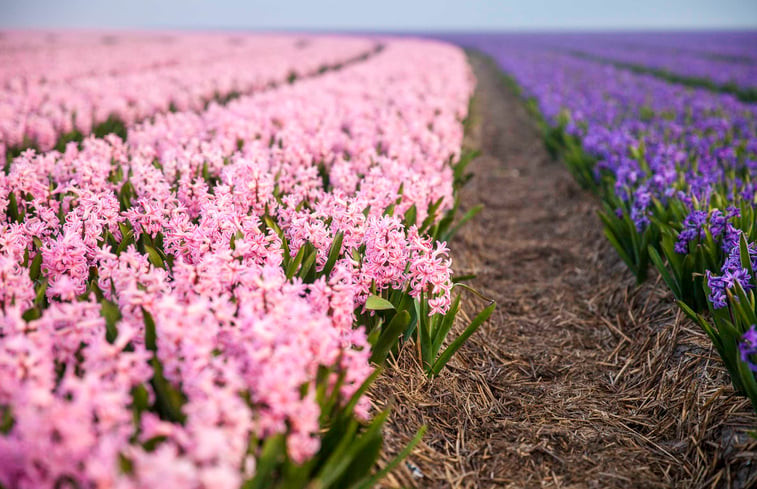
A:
(112, 315)
(332, 402)
(274, 450)
(307, 272)
(373, 480)
(35, 267)
(154, 256)
(339, 458)
(458, 170)
(346, 453)
(334, 252)
(376, 303)
(703, 323)
(151, 338)
(158, 243)
(41, 289)
(411, 215)
(431, 215)
(272, 225)
(124, 195)
(463, 278)
(455, 345)
(746, 260)
(168, 399)
(664, 272)
(31, 314)
(6, 420)
(445, 325)
(364, 455)
(389, 336)
(619, 249)
(294, 264)
(424, 332)
(748, 382)
(744, 306)
(13, 207)
(442, 227)
(127, 238)
(473, 212)
(140, 398)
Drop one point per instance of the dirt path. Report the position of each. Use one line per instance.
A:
(581, 379)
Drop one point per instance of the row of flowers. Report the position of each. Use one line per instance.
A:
(204, 304)
(719, 61)
(735, 73)
(675, 168)
(68, 88)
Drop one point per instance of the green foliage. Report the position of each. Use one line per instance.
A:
(631, 244)
(399, 318)
(349, 451)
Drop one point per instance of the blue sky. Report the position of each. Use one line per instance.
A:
(381, 14)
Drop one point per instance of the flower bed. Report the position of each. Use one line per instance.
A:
(201, 304)
(76, 84)
(674, 167)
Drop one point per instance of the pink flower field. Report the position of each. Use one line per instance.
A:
(200, 300)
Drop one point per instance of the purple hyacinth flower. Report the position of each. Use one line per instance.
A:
(748, 347)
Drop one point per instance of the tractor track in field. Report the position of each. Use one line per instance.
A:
(581, 379)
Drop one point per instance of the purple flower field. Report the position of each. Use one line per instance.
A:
(674, 165)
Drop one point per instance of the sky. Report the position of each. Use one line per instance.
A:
(382, 15)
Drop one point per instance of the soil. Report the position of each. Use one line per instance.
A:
(582, 378)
